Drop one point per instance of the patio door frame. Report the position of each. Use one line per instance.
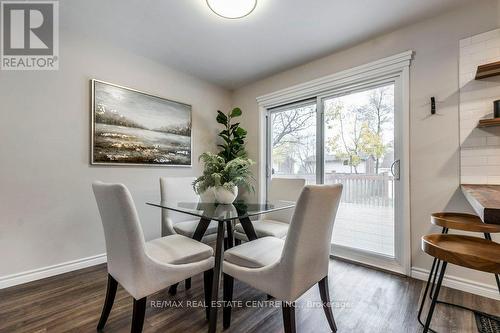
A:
(389, 70)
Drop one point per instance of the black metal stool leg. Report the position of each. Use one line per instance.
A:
(443, 231)
(488, 237)
(435, 297)
(426, 290)
(436, 273)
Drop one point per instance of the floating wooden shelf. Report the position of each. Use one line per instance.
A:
(489, 122)
(488, 70)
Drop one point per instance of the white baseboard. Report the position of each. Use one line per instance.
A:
(462, 284)
(44, 272)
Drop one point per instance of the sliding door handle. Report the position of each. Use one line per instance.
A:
(395, 169)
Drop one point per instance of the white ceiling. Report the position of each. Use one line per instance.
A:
(278, 35)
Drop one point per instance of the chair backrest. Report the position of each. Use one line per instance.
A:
(287, 189)
(125, 245)
(305, 255)
(175, 189)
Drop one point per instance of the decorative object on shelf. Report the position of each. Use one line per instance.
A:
(488, 70)
(233, 135)
(495, 121)
(223, 178)
(496, 109)
(130, 127)
(232, 9)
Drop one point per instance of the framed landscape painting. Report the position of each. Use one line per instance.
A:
(130, 127)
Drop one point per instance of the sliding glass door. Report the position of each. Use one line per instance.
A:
(359, 153)
(351, 137)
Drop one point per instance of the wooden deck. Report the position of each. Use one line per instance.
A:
(369, 228)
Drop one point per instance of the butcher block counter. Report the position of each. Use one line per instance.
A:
(485, 199)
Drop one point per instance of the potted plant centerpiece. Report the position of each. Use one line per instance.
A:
(228, 170)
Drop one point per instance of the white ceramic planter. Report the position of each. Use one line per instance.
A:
(208, 196)
(224, 196)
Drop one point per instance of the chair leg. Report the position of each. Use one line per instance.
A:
(173, 289)
(208, 277)
(228, 298)
(435, 297)
(108, 302)
(187, 283)
(288, 316)
(325, 299)
(138, 315)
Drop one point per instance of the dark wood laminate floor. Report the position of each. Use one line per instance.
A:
(366, 301)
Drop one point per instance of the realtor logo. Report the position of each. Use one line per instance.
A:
(29, 35)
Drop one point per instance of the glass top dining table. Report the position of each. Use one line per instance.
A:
(220, 212)
(226, 216)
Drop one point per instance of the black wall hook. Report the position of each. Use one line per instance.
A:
(433, 105)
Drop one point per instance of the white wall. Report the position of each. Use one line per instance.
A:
(434, 141)
(48, 213)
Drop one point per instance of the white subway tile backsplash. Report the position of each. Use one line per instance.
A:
(480, 148)
(481, 151)
(464, 42)
(474, 161)
(466, 78)
(474, 142)
(492, 43)
(474, 179)
(479, 170)
(493, 180)
(493, 141)
(468, 51)
(474, 170)
(485, 36)
(493, 160)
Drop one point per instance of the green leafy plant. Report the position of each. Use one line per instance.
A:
(218, 172)
(233, 136)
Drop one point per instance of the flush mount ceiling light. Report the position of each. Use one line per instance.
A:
(232, 9)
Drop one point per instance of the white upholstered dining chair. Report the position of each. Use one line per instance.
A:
(285, 269)
(275, 224)
(180, 189)
(143, 268)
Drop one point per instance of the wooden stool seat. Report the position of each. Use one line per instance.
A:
(467, 251)
(464, 222)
